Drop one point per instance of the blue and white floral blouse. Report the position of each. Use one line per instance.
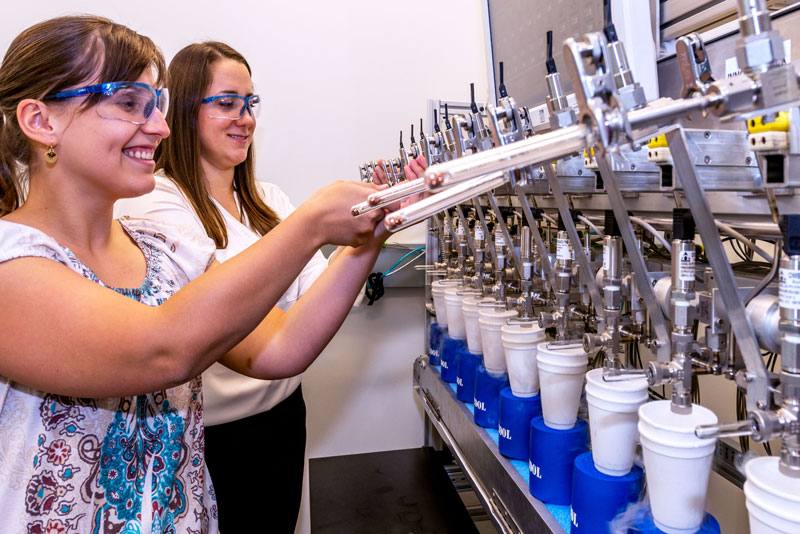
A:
(131, 465)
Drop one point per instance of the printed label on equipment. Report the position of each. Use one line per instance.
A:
(789, 289)
(534, 470)
(606, 258)
(478, 232)
(498, 239)
(686, 266)
(479, 405)
(562, 250)
(505, 433)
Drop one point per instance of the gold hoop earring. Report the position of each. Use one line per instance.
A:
(50, 156)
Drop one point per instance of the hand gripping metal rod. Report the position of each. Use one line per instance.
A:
(638, 266)
(758, 383)
(536, 150)
(577, 246)
(393, 194)
(411, 215)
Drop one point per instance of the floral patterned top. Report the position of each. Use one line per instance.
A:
(132, 465)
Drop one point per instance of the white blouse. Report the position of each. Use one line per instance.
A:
(228, 395)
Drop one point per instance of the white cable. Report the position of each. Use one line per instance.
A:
(588, 223)
(552, 220)
(409, 262)
(656, 234)
(743, 240)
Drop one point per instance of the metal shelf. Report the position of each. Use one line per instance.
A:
(500, 487)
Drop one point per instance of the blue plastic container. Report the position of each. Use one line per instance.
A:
(434, 343)
(643, 524)
(468, 363)
(514, 423)
(598, 498)
(487, 397)
(449, 356)
(552, 458)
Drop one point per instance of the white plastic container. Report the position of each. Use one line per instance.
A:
(437, 291)
(613, 416)
(520, 344)
(677, 465)
(470, 307)
(490, 321)
(561, 373)
(772, 498)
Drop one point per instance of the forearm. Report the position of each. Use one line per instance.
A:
(286, 344)
(221, 307)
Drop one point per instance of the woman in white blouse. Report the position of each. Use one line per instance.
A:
(206, 182)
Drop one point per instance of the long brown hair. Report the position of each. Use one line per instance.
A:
(189, 76)
(55, 55)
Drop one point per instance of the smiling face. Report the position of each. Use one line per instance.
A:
(113, 158)
(224, 142)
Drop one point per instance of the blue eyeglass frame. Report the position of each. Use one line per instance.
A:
(246, 99)
(107, 89)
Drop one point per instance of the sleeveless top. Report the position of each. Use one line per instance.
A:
(130, 465)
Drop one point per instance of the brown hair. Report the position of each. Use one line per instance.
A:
(188, 78)
(55, 55)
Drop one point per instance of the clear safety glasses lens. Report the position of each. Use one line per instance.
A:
(232, 107)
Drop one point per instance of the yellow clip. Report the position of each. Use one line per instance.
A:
(586, 152)
(780, 124)
(657, 142)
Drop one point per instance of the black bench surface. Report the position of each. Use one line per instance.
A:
(391, 492)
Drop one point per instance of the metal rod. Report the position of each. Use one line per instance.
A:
(506, 234)
(544, 253)
(536, 150)
(411, 215)
(393, 194)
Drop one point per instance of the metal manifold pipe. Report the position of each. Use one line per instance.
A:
(425, 208)
(387, 196)
(536, 150)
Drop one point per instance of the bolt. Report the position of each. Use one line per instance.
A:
(633, 166)
(748, 160)
(580, 172)
(762, 405)
(707, 135)
(707, 159)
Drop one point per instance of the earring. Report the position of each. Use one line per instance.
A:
(50, 156)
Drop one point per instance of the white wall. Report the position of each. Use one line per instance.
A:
(343, 79)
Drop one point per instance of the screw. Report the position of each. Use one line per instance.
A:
(762, 405)
(707, 159)
(633, 166)
(748, 160)
(580, 172)
(707, 135)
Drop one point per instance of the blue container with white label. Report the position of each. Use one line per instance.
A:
(468, 363)
(449, 356)
(552, 457)
(435, 343)
(514, 423)
(643, 524)
(487, 397)
(598, 498)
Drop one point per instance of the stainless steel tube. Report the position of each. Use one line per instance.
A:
(536, 150)
(463, 192)
(393, 194)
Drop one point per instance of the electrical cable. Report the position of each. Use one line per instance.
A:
(398, 262)
(409, 262)
(647, 226)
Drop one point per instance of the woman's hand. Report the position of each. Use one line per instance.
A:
(333, 220)
(414, 170)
